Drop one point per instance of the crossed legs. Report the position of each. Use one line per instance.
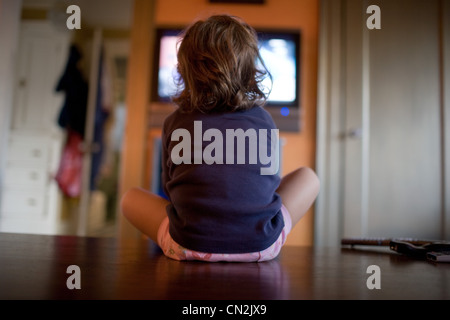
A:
(146, 211)
(298, 191)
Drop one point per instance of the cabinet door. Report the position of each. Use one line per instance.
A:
(42, 54)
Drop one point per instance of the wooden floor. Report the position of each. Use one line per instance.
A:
(35, 267)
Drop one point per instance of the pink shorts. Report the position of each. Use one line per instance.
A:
(174, 251)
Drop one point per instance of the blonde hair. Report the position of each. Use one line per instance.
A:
(218, 66)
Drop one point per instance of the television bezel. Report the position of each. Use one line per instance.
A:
(262, 33)
(160, 32)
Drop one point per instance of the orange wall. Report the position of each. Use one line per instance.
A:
(299, 149)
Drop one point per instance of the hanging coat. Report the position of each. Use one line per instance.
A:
(73, 112)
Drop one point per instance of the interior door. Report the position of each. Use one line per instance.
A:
(42, 51)
(381, 121)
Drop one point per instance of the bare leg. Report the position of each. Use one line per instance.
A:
(298, 191)
(144, 210)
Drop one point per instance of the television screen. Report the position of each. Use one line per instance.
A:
(279, 51)
(166, 65)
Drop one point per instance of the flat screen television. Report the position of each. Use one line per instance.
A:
(280, 51)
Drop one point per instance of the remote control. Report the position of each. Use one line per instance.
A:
(439, 256)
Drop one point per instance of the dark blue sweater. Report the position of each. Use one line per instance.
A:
(219, 207)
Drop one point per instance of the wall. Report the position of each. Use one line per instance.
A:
(299, 149)
(9, 33)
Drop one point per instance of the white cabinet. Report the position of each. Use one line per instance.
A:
(30, 197)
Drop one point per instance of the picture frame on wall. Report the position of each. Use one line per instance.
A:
(239, 1)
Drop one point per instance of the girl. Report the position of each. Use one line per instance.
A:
(221, 206)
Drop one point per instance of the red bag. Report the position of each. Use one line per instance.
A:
(69, 172)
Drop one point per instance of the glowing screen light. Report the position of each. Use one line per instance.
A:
(280, 59)
(284, 111)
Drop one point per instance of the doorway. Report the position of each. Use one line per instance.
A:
(31, 201)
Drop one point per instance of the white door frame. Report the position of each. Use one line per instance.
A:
(328, 210)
